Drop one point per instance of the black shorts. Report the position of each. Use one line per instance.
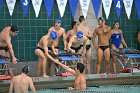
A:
(77, 48)
(104, 47)
(4, 48)
(49, 48)
(88, 47)
(39, 48)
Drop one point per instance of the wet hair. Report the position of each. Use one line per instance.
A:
(80, 67)
(14, 28)
(81, 18)
(25, 69)
(101, 18)
(115, 23)
(73, 24)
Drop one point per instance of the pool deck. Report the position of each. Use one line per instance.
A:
(92, 80)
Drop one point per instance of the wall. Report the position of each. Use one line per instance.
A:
(130, 27)
(31, 28)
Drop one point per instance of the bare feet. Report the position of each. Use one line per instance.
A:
(71, 88)
(45, 76)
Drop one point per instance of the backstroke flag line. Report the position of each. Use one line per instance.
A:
(84, 6)
(128, 6)
(137, 5)
(73, 6)
(49, 6)
(11, 5)
(107, 6)
(36, 6)
(25, 6)
(1, 3)
(61, 6)
(96, 6)
(118, 7)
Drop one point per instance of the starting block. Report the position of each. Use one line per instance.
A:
(3, 63)
(136, 70)
(66, 58)
(130, 54)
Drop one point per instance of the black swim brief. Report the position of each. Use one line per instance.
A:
(89, 38)
(77, 48)
(88, 47)
(39, 48)
(104, 47)
(49, 48)
(4, 48)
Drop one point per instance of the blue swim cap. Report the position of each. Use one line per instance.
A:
(53, 35)
(58, 20)
(79, 34)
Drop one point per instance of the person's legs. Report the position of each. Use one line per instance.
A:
(122, 59)
(107, 59)
(114, 58)
(9, 65)
(88, 59)
(80, 51)
(42, 61)
(114, 63)
(49, 64)
(99, 60)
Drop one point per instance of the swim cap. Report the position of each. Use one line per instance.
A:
(25, 69)
(58, 20)
(79, 34)
(53, 35)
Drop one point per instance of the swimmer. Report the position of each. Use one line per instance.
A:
(22, 82)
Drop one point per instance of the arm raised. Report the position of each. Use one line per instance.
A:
(65, 67)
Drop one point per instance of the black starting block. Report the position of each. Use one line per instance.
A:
(3, 57)
(129, 54)
(3, 63)
(65, 57)
(123, 51)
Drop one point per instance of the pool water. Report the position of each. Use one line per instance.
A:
(98, 89)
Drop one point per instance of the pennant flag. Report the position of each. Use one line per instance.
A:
(118, 7)
(73, 6)
(128, 7)
(1, 3)
(11, 5)
(96, 6)
(36, 6)
(49, 5)
(61, 6)
(84, 6)
(107, 6)
(25, 5)
(137, 4)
